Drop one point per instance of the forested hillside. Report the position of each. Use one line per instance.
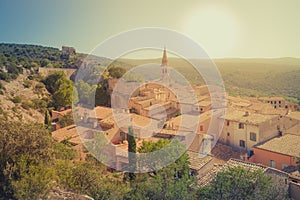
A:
(261, 77)
(245, 77)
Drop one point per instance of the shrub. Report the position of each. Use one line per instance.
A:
(17, 99)
(27, 84)
(4, 76)
(66, 120)
(39, 86)
(27, 105)
(15, 109)
(39, 103)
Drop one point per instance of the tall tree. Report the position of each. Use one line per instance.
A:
(131, 153)
(61, 88)
(47, 120)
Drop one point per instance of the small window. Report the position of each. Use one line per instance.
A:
(241, 126)
(228, 134)
(284, 166)
(227, 123)
(201, 128)
(242, 143)
(253, 136)
(275, 102)
(272, 163)
(279, 102)
(275, 107)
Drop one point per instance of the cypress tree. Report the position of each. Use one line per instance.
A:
(131, 153)
(47, 120)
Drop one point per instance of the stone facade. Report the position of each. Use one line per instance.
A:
(243, 130)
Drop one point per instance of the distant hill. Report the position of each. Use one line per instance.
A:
(245, 77)
(252, 77)
(28, 55)
(15, 59)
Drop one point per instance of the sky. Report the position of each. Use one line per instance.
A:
(231, 28)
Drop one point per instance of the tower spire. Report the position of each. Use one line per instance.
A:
(164, 68)
(165, 58)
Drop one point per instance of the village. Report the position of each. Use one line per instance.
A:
(251, 132)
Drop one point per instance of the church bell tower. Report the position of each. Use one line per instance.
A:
(164, 68)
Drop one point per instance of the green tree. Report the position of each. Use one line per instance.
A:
(35, 183)
(61, 89)
(64, 152)
(53, 81)
(86, 92)
(47, 120)
(241, 183)
(91, 179)
(171, 182)
(102, 98)
(66, 120)
(63, 97)
(131, 153)
(22, 146)
(40, 104)
(44, 62)
(116, 72)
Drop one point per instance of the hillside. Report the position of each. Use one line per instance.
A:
(246, 77)
(23, 99)
(22, 70)
(252, 77)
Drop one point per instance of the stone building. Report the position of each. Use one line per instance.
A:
(68, 50)
(279, 152)
(243, 129)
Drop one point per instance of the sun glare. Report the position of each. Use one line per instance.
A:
(214, 28)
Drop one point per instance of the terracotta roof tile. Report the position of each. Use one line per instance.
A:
(252, 118)
(287, 145)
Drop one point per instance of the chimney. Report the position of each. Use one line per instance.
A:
(246, 114)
